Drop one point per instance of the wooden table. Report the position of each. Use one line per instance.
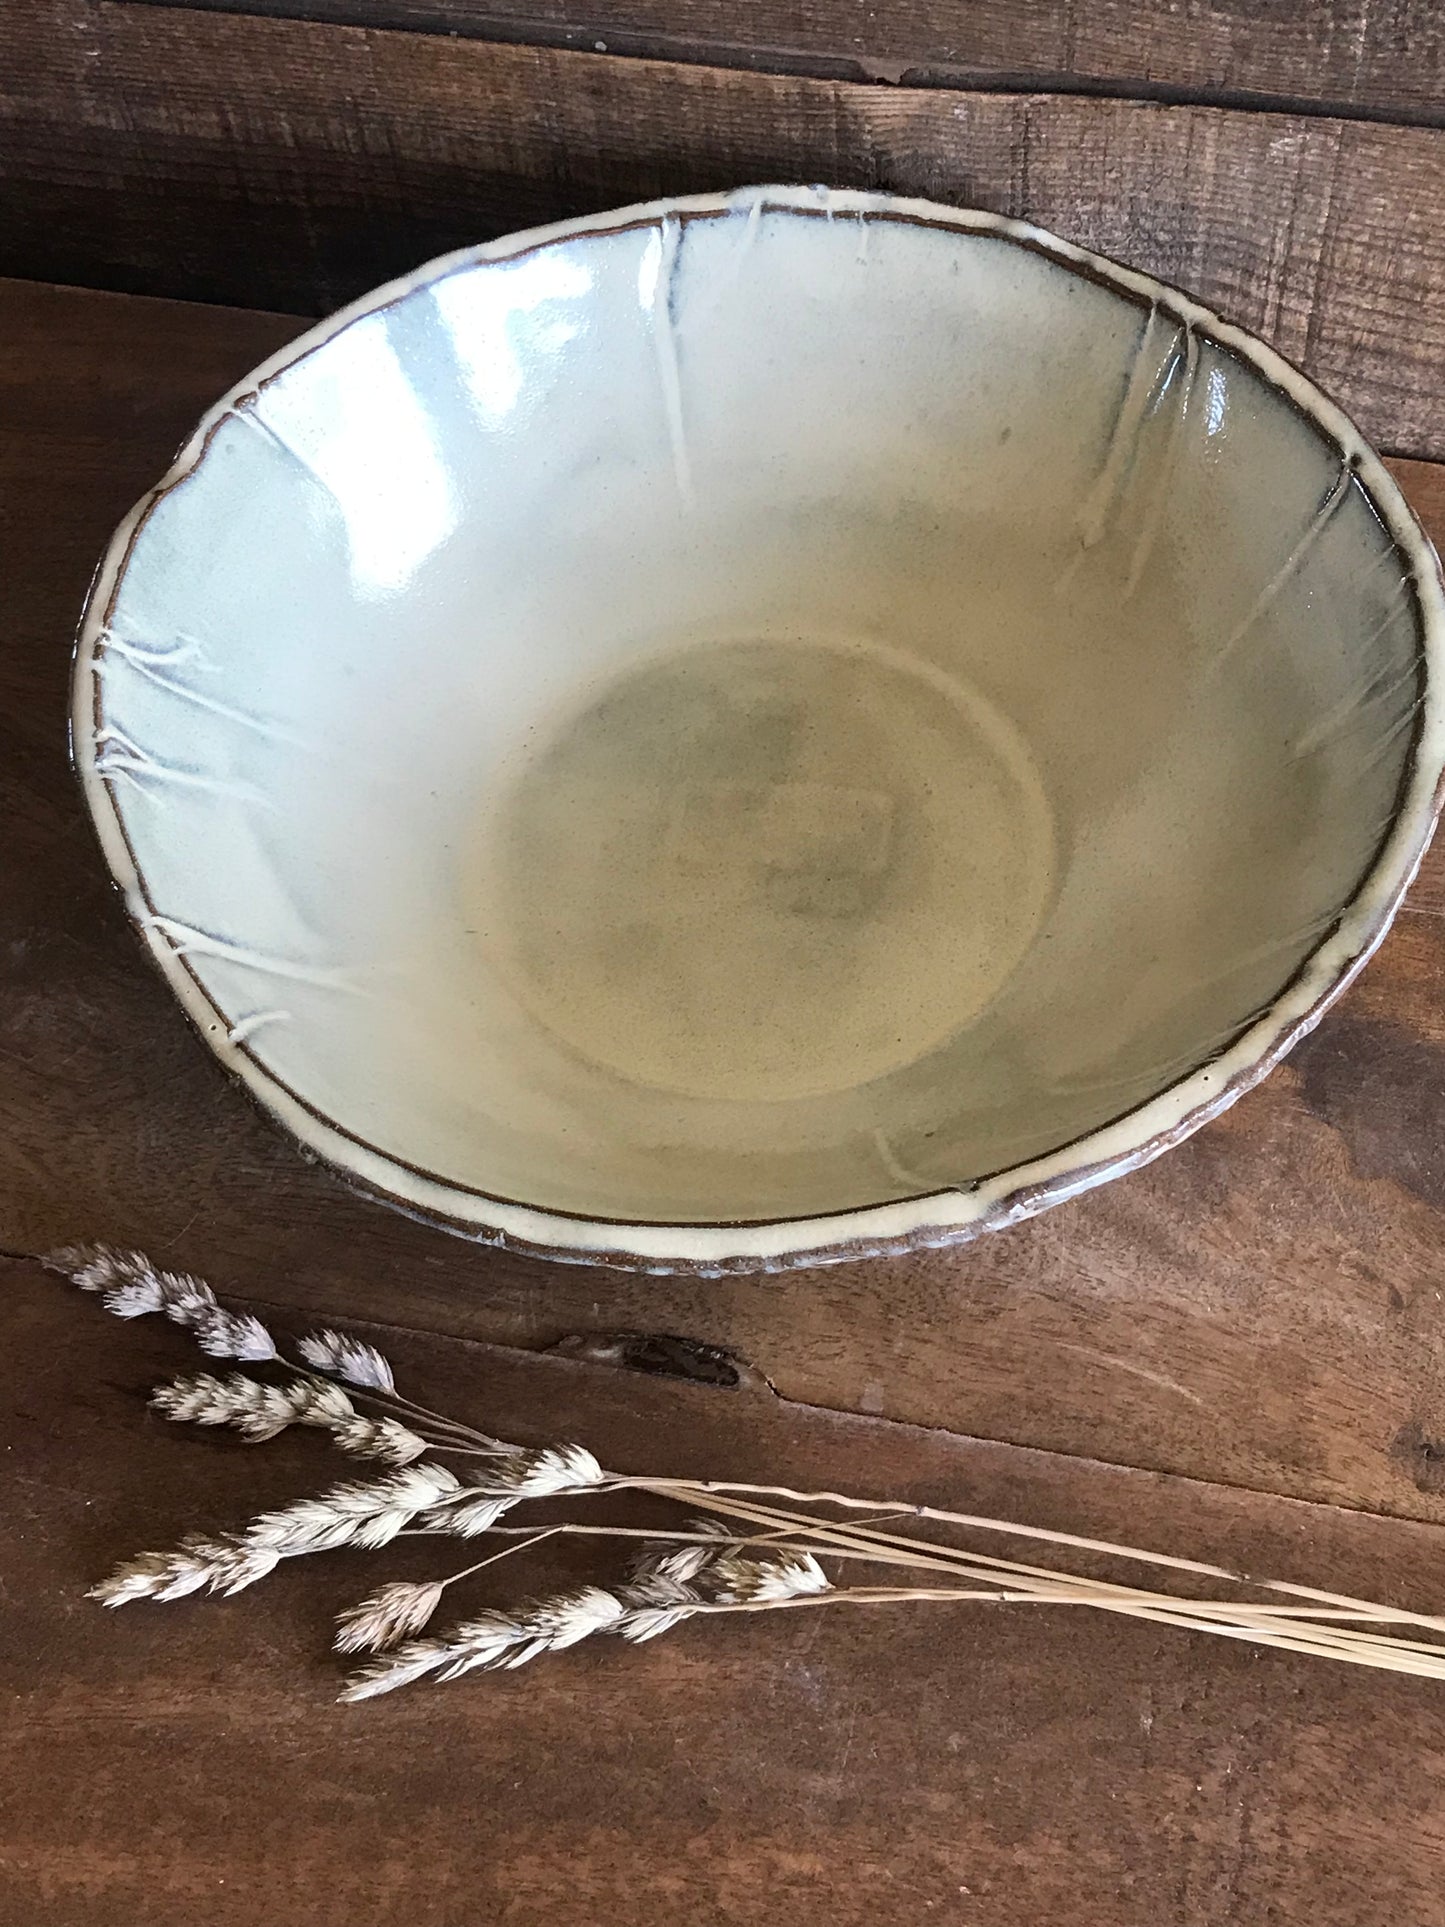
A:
(1237, 1351)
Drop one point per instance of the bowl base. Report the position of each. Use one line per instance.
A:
(766, 868)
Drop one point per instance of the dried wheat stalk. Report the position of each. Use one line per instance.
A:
(753, 1548)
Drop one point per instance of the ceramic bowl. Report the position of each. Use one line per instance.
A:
(762, 728)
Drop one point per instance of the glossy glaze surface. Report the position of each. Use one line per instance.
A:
(794, 708)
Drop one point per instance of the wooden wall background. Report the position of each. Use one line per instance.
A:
(1281, 158)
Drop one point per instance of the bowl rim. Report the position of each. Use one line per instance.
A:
(941, 1217)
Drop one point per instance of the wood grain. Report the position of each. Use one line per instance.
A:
(1380, 57)
(975, 1765)
(237, 158)
(1263, 1306)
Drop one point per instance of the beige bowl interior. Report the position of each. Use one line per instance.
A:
(751, 712)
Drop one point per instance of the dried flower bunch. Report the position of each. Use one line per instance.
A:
(742, 1548)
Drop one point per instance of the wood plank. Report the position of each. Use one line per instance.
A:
(1262, 1306)
(1381, 57)
(1424, 485)
(277, 162)
(184, 1763)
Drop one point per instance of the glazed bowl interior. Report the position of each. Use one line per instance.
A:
(754, 711)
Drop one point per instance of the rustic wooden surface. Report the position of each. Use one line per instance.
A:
(981, 1766)
(1377, 57)
(1240, 1350)
(1262, 1306)
(237, 158)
